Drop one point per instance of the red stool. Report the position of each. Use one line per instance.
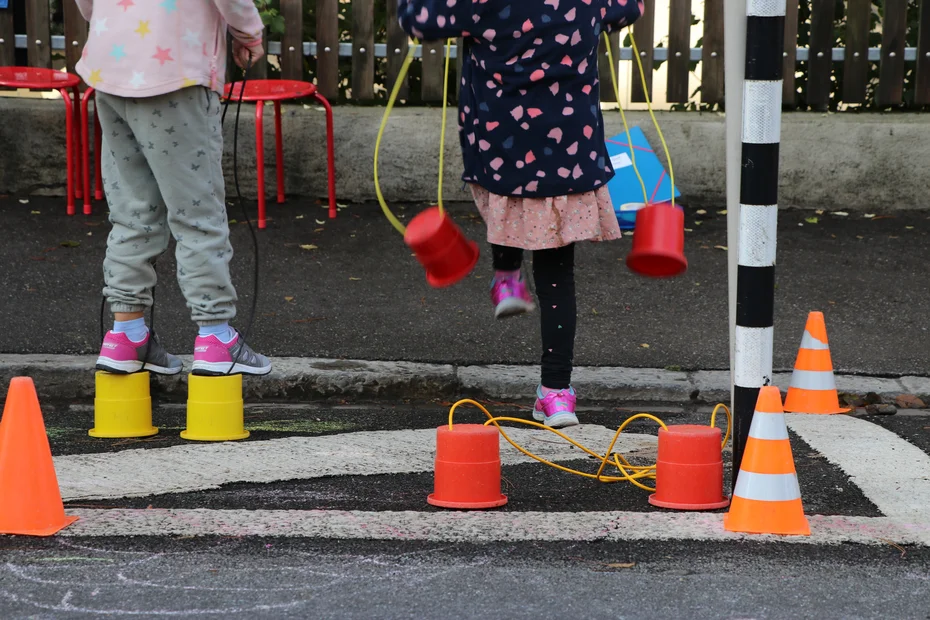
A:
(260, 91)
(85, 156)
(35, 78)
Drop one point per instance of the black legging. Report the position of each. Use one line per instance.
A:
(554, 275)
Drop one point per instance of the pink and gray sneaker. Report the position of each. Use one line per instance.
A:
(122, 356)
(213, 358)
(510, 296)
(555, 408)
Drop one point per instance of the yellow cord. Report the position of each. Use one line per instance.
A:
(626, 127)
(442, 132)
(628, 472)
(395, 92)
(384, 119)
(655, 121)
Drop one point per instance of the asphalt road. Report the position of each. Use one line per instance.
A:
(274, 578)
(359, 294)
(260, 576)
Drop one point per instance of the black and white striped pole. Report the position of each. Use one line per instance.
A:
(758, 212)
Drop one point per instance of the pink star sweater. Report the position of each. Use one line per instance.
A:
(144, 48)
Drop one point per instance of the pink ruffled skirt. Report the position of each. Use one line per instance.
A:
(546, 223)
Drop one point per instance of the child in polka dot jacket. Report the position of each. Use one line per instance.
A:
(158, 67)
(532, 139)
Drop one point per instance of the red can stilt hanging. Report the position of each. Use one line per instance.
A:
(438, 243)
(441, 247)
(659, 242)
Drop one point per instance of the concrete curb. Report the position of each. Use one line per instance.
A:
(70, 377)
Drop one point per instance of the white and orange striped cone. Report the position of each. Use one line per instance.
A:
(813, 387)
(767, 497)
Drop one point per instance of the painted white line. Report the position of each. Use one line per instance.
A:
(893, 473)
(198, 467)
(479, 526)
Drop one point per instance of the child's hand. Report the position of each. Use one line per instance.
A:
(246, 56)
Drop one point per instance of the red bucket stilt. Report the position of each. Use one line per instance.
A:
(658, 242)
(441, 247)
(689, 470)
(468, 467)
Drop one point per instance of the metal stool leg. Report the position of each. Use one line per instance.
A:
(279, 150)
(79, 141)
(98, 146)
(85, 150)
(330, 154)
(260, 160)
(69, 146)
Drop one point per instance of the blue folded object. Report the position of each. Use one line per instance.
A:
(4, 4)
(625, 191)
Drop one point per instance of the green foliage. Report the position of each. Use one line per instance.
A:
(271, 16)
(274, 21)
(875, 40)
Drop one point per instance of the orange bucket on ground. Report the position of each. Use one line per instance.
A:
(468, 468)
(658, 242)
(441, 247)
(689, 470)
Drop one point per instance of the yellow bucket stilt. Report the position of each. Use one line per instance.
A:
(215, 409)
(122, 406)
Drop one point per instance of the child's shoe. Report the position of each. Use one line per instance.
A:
(122, 356)
(510, 295)
(555, 407)
(213, 358)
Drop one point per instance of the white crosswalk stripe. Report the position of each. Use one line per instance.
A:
(892, 473)
(480, 526)
(199, 467)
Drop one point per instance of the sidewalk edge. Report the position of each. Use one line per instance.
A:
(71, 377)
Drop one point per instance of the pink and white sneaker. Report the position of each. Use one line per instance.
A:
(213, 357)
(556, 408)
(510, 296)
(120, 355)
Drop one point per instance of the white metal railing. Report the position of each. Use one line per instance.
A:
(381, 51)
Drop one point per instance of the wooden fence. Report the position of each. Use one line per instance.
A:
(360, 62)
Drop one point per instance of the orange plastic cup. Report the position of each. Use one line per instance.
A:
(658, 242)
(441, 247)
(468, 468)
(689, 470)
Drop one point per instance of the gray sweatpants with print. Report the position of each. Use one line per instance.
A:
(162, 171)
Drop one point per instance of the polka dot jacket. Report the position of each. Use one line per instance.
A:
(530, 121)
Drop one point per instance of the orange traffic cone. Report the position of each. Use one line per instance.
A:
(767, 498)
(813, 387)
(30, 502)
